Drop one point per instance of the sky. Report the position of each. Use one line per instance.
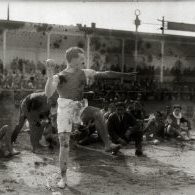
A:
(111, 15)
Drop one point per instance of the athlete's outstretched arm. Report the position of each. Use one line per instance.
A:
(117, 75)
(91, 74)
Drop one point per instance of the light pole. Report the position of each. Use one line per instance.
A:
(162, 51)
(137, 24)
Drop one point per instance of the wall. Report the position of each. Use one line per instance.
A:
(105, 51)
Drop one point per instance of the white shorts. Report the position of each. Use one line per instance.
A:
(68, 113)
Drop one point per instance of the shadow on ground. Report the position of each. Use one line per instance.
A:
(91, 171)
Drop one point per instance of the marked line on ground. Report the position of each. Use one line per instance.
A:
(96, 150)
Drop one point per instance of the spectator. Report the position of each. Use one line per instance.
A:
(155, 127)
(111, 109)
(138, 111)
(123, 127)
(177, 124)
(167, 112)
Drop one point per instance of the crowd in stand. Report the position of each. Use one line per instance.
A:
(24, 74)
(149, 88)
(110, 89)
(18, 80)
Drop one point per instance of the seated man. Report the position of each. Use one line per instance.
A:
(6, 148)
(177, 124)
(138, 111)
(130, 106)
(123, 127)
(185, 127)
(155, 126)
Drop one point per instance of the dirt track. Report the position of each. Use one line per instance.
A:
(167, 169)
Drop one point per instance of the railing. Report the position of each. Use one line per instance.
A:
(16, 95)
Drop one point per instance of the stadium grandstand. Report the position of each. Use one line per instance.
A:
(25, 46)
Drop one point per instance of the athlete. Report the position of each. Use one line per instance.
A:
(69, 84)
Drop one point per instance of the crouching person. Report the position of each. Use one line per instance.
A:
(177, 125)
(154, 129)
(6, 148)
(123, 128)
(50, 137)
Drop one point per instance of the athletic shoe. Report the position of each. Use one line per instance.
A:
(62, 183)
(113, 148)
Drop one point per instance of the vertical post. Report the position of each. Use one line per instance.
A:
(8, 12)
(4, 49)
(162, 61)
(162, 52)
(123, 55)
(123, 58)
(48, 45)
(136, 55)
(137, 24)
(88, 50)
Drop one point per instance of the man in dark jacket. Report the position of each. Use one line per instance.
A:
(123, 127)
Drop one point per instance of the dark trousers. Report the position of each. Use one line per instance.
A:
(135, 135)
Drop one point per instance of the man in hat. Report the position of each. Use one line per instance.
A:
(123, 128)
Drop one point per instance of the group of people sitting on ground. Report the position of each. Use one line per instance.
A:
(129, 122)
(170, 124)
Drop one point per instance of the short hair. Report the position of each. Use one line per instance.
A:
(177, 106)
(183, 120)
(158, 113)
(120, 104)
(73, 52)
(111, 105)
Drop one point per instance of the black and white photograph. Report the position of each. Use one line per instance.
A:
(97, 97)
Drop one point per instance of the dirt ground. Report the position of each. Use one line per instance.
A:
(167, 169)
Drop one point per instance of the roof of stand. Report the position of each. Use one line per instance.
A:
(37, 32)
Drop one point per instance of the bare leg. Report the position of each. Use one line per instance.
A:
(102, 130)
(36, 132)
(92, 113)
(22, 119)
(3, 131)
(174, 132)
(64, 139)
(188, 133)
(5, 136)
